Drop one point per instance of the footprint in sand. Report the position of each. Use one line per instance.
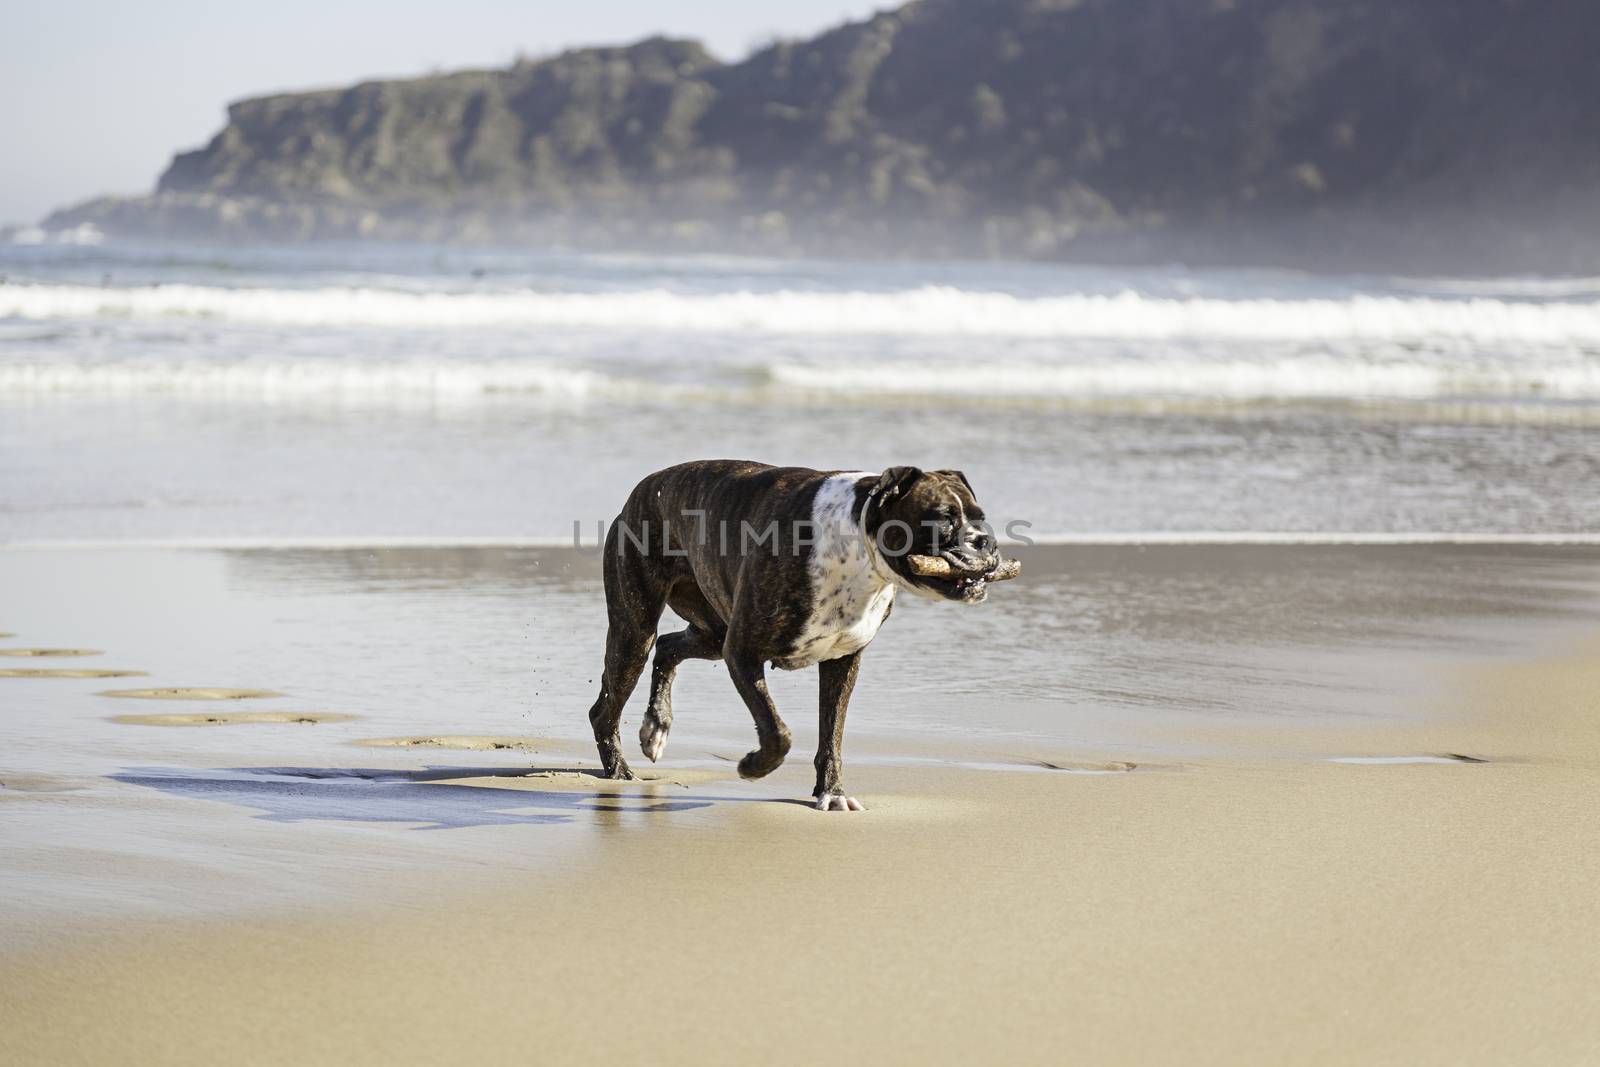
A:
(191, 694)
(472, 744)
(50, 652)
(66, 672)
(1111, 767)
(1448, 757)
(239, 718)
(1060, 766)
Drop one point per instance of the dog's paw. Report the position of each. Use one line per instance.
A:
(653, 737)
(835, 802)
(759, 764)
(619, 772)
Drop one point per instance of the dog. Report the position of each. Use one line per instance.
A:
(782, 565)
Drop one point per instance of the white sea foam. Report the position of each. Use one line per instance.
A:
(1310, 378)
(310, 379)
(925, 311)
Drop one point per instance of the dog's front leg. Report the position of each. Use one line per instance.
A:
(838, 679)
(750, 678)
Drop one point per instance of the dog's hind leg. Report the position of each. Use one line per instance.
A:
(627, 649)
(671, 650)
(635, 597)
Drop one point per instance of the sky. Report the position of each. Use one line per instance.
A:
(99, 94)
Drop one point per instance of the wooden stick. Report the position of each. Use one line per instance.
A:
(938, 567)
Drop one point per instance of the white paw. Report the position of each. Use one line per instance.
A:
(834, 802)
(652, 738)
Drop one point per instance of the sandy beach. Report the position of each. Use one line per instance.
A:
(1400, 868)
(1228, 373)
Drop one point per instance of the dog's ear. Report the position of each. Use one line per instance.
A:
(963, 477)
(895, 481)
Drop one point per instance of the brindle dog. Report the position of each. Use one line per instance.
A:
(780, 565)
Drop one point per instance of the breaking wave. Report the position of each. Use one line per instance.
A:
(313, 379)
(1307, 378)
(925, 311)
(1301, 378)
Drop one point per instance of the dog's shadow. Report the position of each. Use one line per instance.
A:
(424, 798)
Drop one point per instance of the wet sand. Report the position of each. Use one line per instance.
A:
(1398, 868)
(304, 718)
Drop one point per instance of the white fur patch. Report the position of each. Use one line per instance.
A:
(849, 597)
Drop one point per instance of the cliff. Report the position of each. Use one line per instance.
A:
(1390, 131)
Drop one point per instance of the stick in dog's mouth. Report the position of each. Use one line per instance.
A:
(939, 567)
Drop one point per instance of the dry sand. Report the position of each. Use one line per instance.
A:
(1207, 911)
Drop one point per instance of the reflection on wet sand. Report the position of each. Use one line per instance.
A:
(431, 799)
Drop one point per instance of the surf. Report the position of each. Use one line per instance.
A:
(922, 311)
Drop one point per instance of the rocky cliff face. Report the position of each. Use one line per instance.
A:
(1223, 129)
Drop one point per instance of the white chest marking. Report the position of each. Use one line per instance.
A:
(849, 599)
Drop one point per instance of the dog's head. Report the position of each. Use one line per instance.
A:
(917, 518)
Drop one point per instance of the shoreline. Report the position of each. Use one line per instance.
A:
(1048, 540)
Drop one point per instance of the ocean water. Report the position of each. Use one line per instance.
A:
(351, 392)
